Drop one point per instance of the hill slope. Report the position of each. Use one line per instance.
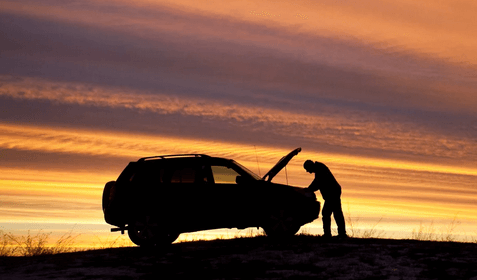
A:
(301, 257)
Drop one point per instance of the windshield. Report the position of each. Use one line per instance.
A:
(253, 175)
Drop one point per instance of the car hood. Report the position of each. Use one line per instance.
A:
(280, 164)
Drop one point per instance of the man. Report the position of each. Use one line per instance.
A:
(331, 192)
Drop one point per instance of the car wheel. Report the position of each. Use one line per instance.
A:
(146, 231)
(281, 224)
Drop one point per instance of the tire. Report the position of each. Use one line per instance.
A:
(145, 231)
(281, 224)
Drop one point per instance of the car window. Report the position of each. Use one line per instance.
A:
(155, 175)
(146, 177)
(246, 170)
(183, 175)
(224, 175)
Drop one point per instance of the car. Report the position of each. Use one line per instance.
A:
(157, 198)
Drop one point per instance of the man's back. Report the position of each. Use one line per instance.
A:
(325, 182)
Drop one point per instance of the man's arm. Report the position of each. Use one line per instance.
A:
(314, 186)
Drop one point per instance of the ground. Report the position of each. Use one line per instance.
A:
(301, 257)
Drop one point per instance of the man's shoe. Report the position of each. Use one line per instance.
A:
(343, 236)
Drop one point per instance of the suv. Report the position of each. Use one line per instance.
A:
(157, 198)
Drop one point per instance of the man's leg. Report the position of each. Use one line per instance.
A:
(326, 217)
(339, 217)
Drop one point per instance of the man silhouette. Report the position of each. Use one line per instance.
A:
(331, 192)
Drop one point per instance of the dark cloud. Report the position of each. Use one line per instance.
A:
(156, 50)
(50, 161)
(178, 52)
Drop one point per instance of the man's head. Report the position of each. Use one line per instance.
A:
(309, 166)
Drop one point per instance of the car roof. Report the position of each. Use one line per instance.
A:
(183, 158)
(172, 156)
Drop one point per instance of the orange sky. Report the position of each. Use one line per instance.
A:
(384, 92)
(437, 28)
(374, 188)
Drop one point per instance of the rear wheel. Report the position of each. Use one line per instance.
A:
(146, 231)
(281, 224)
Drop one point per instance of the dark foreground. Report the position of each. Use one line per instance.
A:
(301, 257)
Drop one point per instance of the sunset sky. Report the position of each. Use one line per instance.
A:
(383, 92)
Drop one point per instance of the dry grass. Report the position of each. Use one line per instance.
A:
(111, 243)
(354, 231)
(250, 233)
(305, 232)
(424, 232)
(247, 233)
(6, 248)
(448, 234)
(431, 233)
(38, 244)
(34, 245)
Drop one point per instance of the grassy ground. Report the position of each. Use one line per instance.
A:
(39, 243)
(300, 257)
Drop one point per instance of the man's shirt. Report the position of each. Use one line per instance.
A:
(325, 182)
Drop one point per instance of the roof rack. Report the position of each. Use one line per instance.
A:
(173, 156)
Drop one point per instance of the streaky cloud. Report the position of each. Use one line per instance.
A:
(195, 53)
(122, 144)
(351, 129)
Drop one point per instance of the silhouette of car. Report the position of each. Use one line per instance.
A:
(157, 198)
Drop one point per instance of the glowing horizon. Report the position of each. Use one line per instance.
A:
(383, 92)
(362, 179)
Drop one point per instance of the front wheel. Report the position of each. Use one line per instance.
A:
(281, 224)
(146, 231)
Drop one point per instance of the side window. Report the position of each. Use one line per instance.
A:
(156, 175)
(147, 177)
(183, 175)
(224, 175)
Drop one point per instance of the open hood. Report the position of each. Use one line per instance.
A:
(280, 164)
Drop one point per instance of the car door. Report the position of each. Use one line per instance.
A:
(229, 198)
(183, 195)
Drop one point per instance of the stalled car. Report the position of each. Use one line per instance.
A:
(155, 199)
